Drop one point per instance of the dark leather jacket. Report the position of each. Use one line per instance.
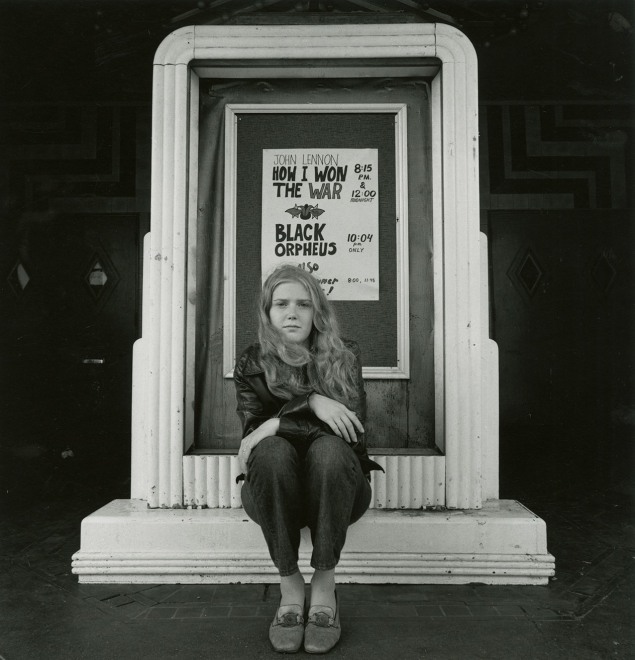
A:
(298, 424)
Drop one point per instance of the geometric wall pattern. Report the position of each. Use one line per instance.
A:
(73, 159)
(566, 156)
(96, 159)
(69, 159)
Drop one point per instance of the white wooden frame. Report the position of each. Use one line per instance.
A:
(160, 374)
(402, 369)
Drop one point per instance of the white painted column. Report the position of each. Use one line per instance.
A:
(167, 276)
(461, 268)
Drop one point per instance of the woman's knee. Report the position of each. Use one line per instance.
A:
(273, 454)
(330, 453)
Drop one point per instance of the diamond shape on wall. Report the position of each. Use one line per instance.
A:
(603, 273)
(529, 273)
(101, 276)
(18, 279)
(526, 272)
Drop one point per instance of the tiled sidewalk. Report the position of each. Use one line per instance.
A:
(592, 545)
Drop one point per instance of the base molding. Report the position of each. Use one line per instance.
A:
(502, 543)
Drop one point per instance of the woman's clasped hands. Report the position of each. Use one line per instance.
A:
(342, 421)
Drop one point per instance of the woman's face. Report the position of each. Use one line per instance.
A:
(291, 312)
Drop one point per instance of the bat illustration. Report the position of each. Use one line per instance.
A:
(295, 211)
(305, 212)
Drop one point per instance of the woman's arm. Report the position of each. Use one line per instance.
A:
(342, 421)
(249, 407)
(265, 430)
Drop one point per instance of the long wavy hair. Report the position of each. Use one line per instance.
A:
(327, 366)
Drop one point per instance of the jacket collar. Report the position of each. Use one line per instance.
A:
(253, 365)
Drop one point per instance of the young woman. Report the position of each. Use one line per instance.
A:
(301, 402)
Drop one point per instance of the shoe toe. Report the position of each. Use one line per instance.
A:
(323, 631)
(286, 632)
(320, 640)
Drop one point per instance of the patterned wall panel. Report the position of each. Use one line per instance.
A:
(97, 158)
(71, 159)
(74, 202)
(556, 156)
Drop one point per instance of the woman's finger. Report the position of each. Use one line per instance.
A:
(353, 417)
(342, 430)
(333, 424)
(351, 436)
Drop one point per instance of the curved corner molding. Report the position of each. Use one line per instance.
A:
(180, 62)
(207, 42)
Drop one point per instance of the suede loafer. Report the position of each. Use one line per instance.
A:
(323, 629)
(287, 630)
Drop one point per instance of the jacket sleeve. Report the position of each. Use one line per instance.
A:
(249, 406)
(366, 463)
(294, 418)
(297, 419)
(252, 413)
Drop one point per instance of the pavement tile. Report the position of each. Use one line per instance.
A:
(399, 592)
(243, 611)
(117, 601)
(510, 610)
(193, 594)
(140, 597)
(188, 613)
(586, 586)
(161, 592)
(429, 610)
(348, 592)
(448, 592)
(216, 612)
(133, 610)
(483, 611)
(268, 610)
(379, 610)
(161, 612)
(102, 591)
(456, 610)
(498, 592)
(238, 594)
(545, 614)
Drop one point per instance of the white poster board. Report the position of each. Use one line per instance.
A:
(320, 211)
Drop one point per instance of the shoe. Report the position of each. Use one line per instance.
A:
(287, 630)
(323, 629)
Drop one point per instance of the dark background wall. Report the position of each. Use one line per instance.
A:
(556, 95)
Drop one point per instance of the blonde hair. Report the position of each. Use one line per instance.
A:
(327, 366)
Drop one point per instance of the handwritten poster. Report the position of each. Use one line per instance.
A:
(319, 211)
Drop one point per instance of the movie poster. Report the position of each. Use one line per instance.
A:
(319, 211)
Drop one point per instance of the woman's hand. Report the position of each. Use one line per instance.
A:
(266, 429)
(343, 422)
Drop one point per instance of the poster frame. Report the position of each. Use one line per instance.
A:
(402, 369)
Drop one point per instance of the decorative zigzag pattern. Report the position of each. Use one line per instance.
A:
(556, 156)
(97, 159)
(73, 159)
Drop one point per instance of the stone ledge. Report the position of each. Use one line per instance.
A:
(503, 543)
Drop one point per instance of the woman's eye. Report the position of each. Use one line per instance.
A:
(305, 304)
